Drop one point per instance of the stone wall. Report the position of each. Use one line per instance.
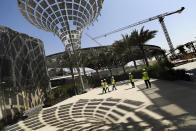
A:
(23, 73)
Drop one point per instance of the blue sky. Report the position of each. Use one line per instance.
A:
(115, 14)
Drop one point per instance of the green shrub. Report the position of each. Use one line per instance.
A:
(96, 81)
(1, 124)
(163, 70)
(60, 93)
(160, 70)
(93, 81)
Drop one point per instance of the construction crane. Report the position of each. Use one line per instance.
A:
(94, 39)
(161, 20)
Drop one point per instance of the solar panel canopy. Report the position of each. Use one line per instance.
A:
(65, 18)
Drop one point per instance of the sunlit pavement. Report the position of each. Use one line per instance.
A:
(166, 106)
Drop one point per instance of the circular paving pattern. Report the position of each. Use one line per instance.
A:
(96, 114)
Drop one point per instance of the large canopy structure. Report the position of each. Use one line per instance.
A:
(53, 60)
(65, 18)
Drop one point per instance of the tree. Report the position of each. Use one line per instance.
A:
(107, 58)
(140, 38)
(129, 48)
(191, 45)
(70, 62)
(181, 49)
(120, 57)
(94, 60)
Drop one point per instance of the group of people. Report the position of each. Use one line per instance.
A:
(145, 77)
(105, 85)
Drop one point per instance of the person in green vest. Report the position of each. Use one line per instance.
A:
(146, 78)
(113, 83)
(131, 78)
(106, 85)
(103, 87)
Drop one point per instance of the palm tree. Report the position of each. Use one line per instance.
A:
(94, 60)
(191, 45)
(181, 49)
(70, 62)
(129, 48)
(119, 54)
(140, 38)
(107, 58)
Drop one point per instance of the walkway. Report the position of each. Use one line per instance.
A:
(165, 106)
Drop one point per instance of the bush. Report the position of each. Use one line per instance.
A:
(61, 93)
(93, 81)
(163, 70)
(2, 124)
(96, 81)
(9, 121)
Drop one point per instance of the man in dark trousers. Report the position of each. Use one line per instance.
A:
(146, 78)
(131, 80)
(103, 86)
(113, 83)
(106, 85)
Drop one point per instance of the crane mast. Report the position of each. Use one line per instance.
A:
(161, 20)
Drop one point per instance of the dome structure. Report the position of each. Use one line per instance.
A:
(65, 18)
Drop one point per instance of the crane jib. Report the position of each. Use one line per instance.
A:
(140, 22)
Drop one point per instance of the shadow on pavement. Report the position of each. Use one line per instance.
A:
(193, 71)
(98, 114)
(129, 88)
(176, 101)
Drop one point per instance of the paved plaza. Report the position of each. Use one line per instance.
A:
(166, 106)
(100, 42)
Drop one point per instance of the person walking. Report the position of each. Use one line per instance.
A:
(131, 78)
(103, 87)
(113, 83)
(146, 78)
(106, 85)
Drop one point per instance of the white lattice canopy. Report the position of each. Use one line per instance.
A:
(65, 18)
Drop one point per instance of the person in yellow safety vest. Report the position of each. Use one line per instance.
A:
(131, 78)
(106, 85)
(113, 83)
(146, 78)
(103, 86)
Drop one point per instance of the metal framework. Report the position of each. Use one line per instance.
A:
(161, 20)
(65, 18)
